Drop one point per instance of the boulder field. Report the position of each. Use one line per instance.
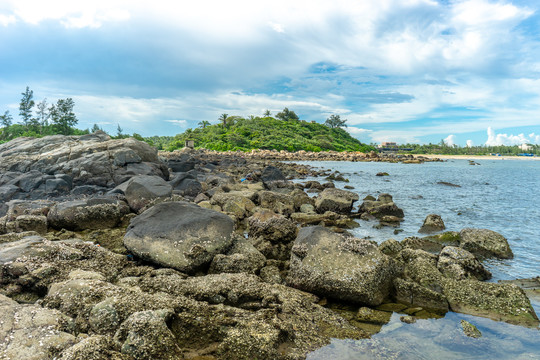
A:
(109, 250)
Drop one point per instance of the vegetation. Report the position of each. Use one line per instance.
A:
(443, 149)
(285, 132)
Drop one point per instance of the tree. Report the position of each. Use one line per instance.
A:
(6, 119)
(95, 128)
(223, 119)
(267, 113)
(26, 105)
(287, 115)
(204, 123)
(42, 112)
(62, 116)
(119, 131)
(335, 121)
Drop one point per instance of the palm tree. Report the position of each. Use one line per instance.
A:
(204, 123)
(223, 119)
(267, 113)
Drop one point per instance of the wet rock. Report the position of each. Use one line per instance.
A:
(382, 174)
(32, 332)
(96, 347)
(384, 205)
(413, 294)
(329, 265)
(503, 302)
(336, 200)
(485, 243)
(270, 274)
(180, 235)
(445, 183)
(146, 335)
(36, 223)
(432, 223)
(373, 316)
(141, 190)
(470, 330)
(425, 244)
(93, 213)
(390, 247)
(458, 263)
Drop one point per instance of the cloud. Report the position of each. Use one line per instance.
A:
(470, 143)
(450, 140)
(357, 131)
(6, 20)
(495, 139)
(181, 123)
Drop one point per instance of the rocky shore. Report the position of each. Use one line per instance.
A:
(109, 250)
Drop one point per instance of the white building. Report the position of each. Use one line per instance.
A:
(525, 147)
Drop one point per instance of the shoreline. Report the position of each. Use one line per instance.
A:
(479, 157)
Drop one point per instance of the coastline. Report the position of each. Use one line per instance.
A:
(480, 157)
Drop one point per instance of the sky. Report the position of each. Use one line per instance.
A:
(411, 71)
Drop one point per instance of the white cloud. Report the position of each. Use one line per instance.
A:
(181, 123)
(357, 131)
(450, 140)
(470, 143)
(495, 139)
(6, 20)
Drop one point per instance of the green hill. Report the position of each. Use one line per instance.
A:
(269, 133)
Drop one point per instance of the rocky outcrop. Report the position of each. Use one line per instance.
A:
(92, 159)
(180, 235)
(485, 243)
(141, 190)
(459, 264)
(432, 223)
(347, 269)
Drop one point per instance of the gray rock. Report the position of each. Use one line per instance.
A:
(348, 269)
(432, 223)
(272, 227)
(145, 335)
(141, 190)
(32, 332)
(415, 295)
(384, 205)
(94, 213)
(7, 192)
(270, 174)
(458, 263)
(180, 235)
(57, 186)
(470, 330)
(37, 223)
(243, 257)
(336, 200)
(486, 243)
(95, 347)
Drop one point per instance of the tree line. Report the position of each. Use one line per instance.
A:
(46, 119)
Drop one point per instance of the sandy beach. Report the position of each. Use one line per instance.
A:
(481, 157)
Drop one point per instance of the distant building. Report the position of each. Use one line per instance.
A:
(189, 144)
(525, 147)
(388, 145)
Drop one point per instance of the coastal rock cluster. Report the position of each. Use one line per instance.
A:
(109, 250)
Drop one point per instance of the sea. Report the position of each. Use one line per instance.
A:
(500, 195)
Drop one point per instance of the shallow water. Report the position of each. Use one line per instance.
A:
(503, 196)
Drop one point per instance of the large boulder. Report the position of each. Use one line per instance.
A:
(96, 213)
(272, 227)
(270, 174)
(485, 243)
(141, 190)
(180, 235)
(92, 159)
(348, 269)
(336, 200)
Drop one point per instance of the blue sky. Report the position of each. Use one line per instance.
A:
(398, 70)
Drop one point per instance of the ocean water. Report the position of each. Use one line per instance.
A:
(500, 195)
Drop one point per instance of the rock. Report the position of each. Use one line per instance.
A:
(272, 227)
(184, 163)
(236, 203)
(459, 264)
(336, 200)
(407, 319)
(32, 332)
(57, 186)
(470, 330)
(92, 159)
(270, 274)
(95, 347)
(186, 184)
(485, 243)
(93, 213)
(415, 295)
(329, 265)
(141, 190)
(424, 243)
(448, 184)
(37, 223)
(390, 247)
(280, 203)
(243, 257)
(502, 302)
(432, 223)
(145, 335)
(307, 209)
(372, 316)
(384, 205)
(382, 174)
(180, 235)
(272, 173)
(7, 192)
